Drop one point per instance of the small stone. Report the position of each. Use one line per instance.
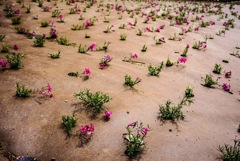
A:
(170, 130)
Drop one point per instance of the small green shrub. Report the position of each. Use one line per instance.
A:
(2, 37)
(5, 48)
(229, 152)
(55, 55)
(209, 82)
(189, 92)
(69, 123)
(169, 63)
(123, 37)
(39, 41)
(44, 24)
(217, 69)
(94, 101)
(129, 82)
(63, 41)
(56, 13)
(22, 90)
(83, 48)
(28, 9)
(40, 3)
(14, 60)
(154, 71)
(144, 48)
(16, 20)
(139, 32)
(174, 112)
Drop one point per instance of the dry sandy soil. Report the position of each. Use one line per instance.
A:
(32, 126)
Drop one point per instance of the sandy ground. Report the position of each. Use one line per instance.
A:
(32, 126)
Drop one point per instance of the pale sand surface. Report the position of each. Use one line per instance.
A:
(34, 129)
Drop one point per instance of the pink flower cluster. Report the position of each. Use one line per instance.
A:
(92, 47)
(87, 131)
(3, 64)
(182, 60)
(226, 87)
(135, 56)
(107, 115)
(228, 74)
(104, 61)
(48, 90)
(87, 71)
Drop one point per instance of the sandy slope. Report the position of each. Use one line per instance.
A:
(32, 127)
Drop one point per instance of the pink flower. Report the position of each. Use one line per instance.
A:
(3, 63)
(145, 130)
(162, 27)
(205, 46)
(182, 60)
(188, 46)
(107, 114)
(87, 130)
(102, 65)
(226, 87)
(60, 16)
(92, 47)
(43, 93)
(135, 56)
(132, 124)
(87, 71)
(228, 74)
(148, 29)
(130, 23)
(51, 95)
(49, 89)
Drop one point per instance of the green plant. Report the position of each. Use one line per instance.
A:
(189, 92)
(123, 37)
(154, 71)
(28, 9)
(217, 69)
(56, 13)
(63, 41)
(15, 60)
(134, 138)
(44, 24)
(40, 3)
(139, 32)
(39, 41)
(69, 123)
(122, 26)
(73, 74)
(144, 48)
(55, 55)
(94, 101)
(2, 37)
(209, 82)
(22, 90)
(104, 47)
(174, 112)
(83, 48)
(229, 152)
(16, 20)
(5, 48)
(129, 82)
(169, 63)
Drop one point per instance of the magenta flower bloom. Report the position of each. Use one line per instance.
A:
(157, 30)
(43, 92)
(145, 130)
(17, 12)
(162, 27)
(49, 89)
(86, 130)
(130, 23)
(3, 63)
(188, 46)
(60, 16)
(182, 60)
(226, 87)
(148, 29)
(135, 56)
(87, 71)
(107, 114)
(133, 124)
(92, 47)
(228, 74)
